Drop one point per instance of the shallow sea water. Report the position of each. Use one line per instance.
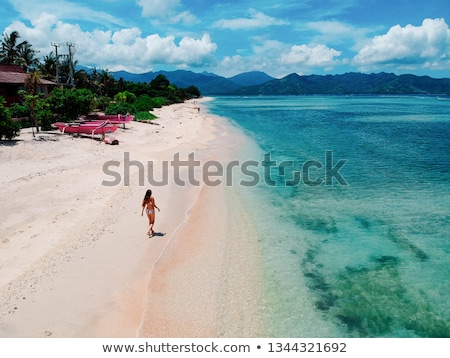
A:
(355, 226)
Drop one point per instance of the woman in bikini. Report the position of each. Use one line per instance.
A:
(149, 205)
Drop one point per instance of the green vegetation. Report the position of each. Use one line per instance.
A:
(144, 116)
(18, 53)
(8, 128)
(91, 90)
(349, 83)
(68, 103)
(125, 97)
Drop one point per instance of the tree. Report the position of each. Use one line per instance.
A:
(68, 103)
(10, 52)
(125, 97)
(104, 80)
(8, 128)
(15, 53)
(83, 80)
(193, 92)
(27, 58)
(159, 83)
(65, 69)
(48, 68)
(32, 94)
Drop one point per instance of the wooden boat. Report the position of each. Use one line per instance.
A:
(111, 118)
(91, 128)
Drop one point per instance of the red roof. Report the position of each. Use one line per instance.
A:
(11, 68)
(14, 74)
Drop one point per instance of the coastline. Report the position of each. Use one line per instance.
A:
(75, 260)
(209, 282)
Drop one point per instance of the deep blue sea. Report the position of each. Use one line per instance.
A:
(353, 209)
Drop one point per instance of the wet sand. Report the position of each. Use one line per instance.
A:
(75, 260)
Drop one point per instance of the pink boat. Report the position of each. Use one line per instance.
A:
(111, 118)
(91, 128)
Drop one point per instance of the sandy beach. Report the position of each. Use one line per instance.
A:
(75, 260)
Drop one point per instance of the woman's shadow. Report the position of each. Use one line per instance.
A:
(157, 234)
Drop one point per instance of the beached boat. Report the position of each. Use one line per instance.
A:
(91, 128)
(111, 118)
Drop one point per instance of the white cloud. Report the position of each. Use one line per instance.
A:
(264, 46)
(413, 47)
(124, 49)
(167, 10)
(126, 36)
(336, 32)
(193, 51)
(254, 21)
(64, 10)
(232, 65)
(310, 56)
(279, 59)
(184, 17)
(158, 8)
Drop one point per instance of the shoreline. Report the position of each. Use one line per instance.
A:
(75, 261)
(209, 282)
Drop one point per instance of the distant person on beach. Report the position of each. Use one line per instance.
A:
(149, 205)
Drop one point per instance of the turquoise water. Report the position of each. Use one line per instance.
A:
(365, 253)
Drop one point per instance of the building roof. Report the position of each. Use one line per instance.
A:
(13, 74)
(10, 68)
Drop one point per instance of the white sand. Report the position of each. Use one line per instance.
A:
(74, 257)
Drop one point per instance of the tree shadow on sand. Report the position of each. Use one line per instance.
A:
(10, 143)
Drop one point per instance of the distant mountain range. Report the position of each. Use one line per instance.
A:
(259, 83)
(207, 83)
(349, 83)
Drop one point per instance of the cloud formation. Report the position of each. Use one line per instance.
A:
(166, 10)
(425, 46)
(310, 56)
(277, 38)
(158, 8)
(255, 20)
(123, 49)
(63, 10)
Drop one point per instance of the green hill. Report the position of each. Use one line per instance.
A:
(349, 83)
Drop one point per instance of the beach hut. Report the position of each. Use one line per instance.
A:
(12, 79)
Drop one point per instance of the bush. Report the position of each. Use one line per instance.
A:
(18, 110)
(8, 128)
(125, 97)
(45, 118)
(192, 92)
(159, 102)
(144, 103)
(102, 102)
(120, 108)
(69, 103)
(147, 103)
(144, 116)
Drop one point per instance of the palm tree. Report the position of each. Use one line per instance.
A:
(11, 50)
(32, 94)
(27, 59)
(65, 69)
(83, 80)
(48, 68)
(104, 81)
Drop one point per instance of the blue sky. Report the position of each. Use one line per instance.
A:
(231, 37)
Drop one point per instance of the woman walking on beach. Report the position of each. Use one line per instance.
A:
(149, 205)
